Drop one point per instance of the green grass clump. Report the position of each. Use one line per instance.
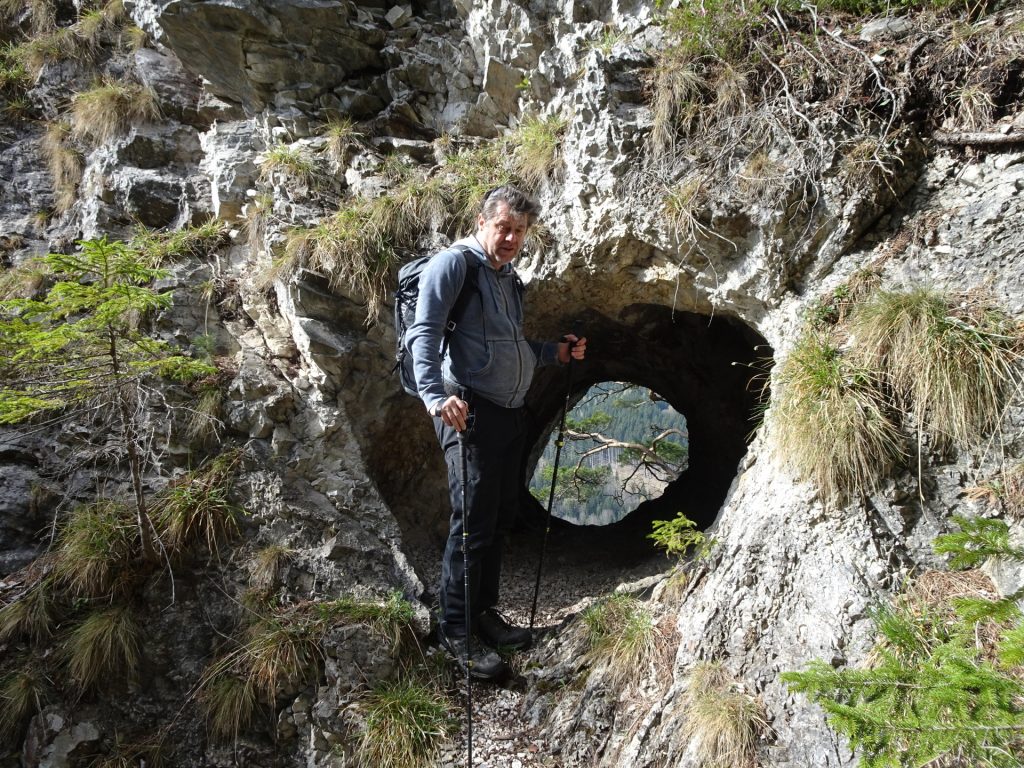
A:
(832, 420)
(196, 242)
(230, 702)
(103, 647)
(354, 247)
(96, 549)
(267, 563)
(621, 631)
(390, 619)
(282, 650)
(723, 724)
(32, 615)
(21, 695)
(406, 722)
(109, 109)
(291, 161)
(954, 361)
(341, 135)
(197, 506)
(537, 142)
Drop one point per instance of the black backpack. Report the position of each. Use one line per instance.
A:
(407, 295)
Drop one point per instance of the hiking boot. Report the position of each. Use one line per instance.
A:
(484, 662)
(494, 629)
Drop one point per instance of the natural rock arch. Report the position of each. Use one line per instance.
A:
(712, 369)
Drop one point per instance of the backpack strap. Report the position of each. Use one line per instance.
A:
(470, 285)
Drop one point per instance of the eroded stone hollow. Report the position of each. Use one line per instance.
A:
(711, 370)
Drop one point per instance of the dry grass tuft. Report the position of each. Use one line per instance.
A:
(341, 136)
(266, 564)
(537, 142)
(1005, 490)
(676, 83)
(21, 693)
(96, 549)
(65, 164)
(954, 361)
(832, 420)
(22, 281)
(197, 506)
(282, 650)
(723, 722)
(682, 203)
(622, 633)
(32, 615)
(229, 701)
(110, 109)
(104, 647)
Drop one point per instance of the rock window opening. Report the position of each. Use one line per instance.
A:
(623, 444)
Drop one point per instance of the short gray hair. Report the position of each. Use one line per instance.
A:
(518, 202)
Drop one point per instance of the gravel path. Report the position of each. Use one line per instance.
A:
(580, 564)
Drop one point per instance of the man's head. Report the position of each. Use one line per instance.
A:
(506, 214)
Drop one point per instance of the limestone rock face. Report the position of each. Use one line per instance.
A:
(340, 467)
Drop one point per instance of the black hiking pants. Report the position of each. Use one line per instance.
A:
(493, 452)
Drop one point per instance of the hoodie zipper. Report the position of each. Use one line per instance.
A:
(512, 323)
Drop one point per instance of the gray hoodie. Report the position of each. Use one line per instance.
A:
(487, 352)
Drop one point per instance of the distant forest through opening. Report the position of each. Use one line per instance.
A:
(623, 444)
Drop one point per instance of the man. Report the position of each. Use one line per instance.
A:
(476, 393)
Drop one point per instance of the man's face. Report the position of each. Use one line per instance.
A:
(502, 235)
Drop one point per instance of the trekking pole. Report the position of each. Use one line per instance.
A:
(468, 614)
(554, 478)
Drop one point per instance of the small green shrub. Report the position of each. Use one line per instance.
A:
(679, 536)
(406, 722)
(944, 685)
(832, 420)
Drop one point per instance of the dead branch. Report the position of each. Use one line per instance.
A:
(977, 138)
(649, 456)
